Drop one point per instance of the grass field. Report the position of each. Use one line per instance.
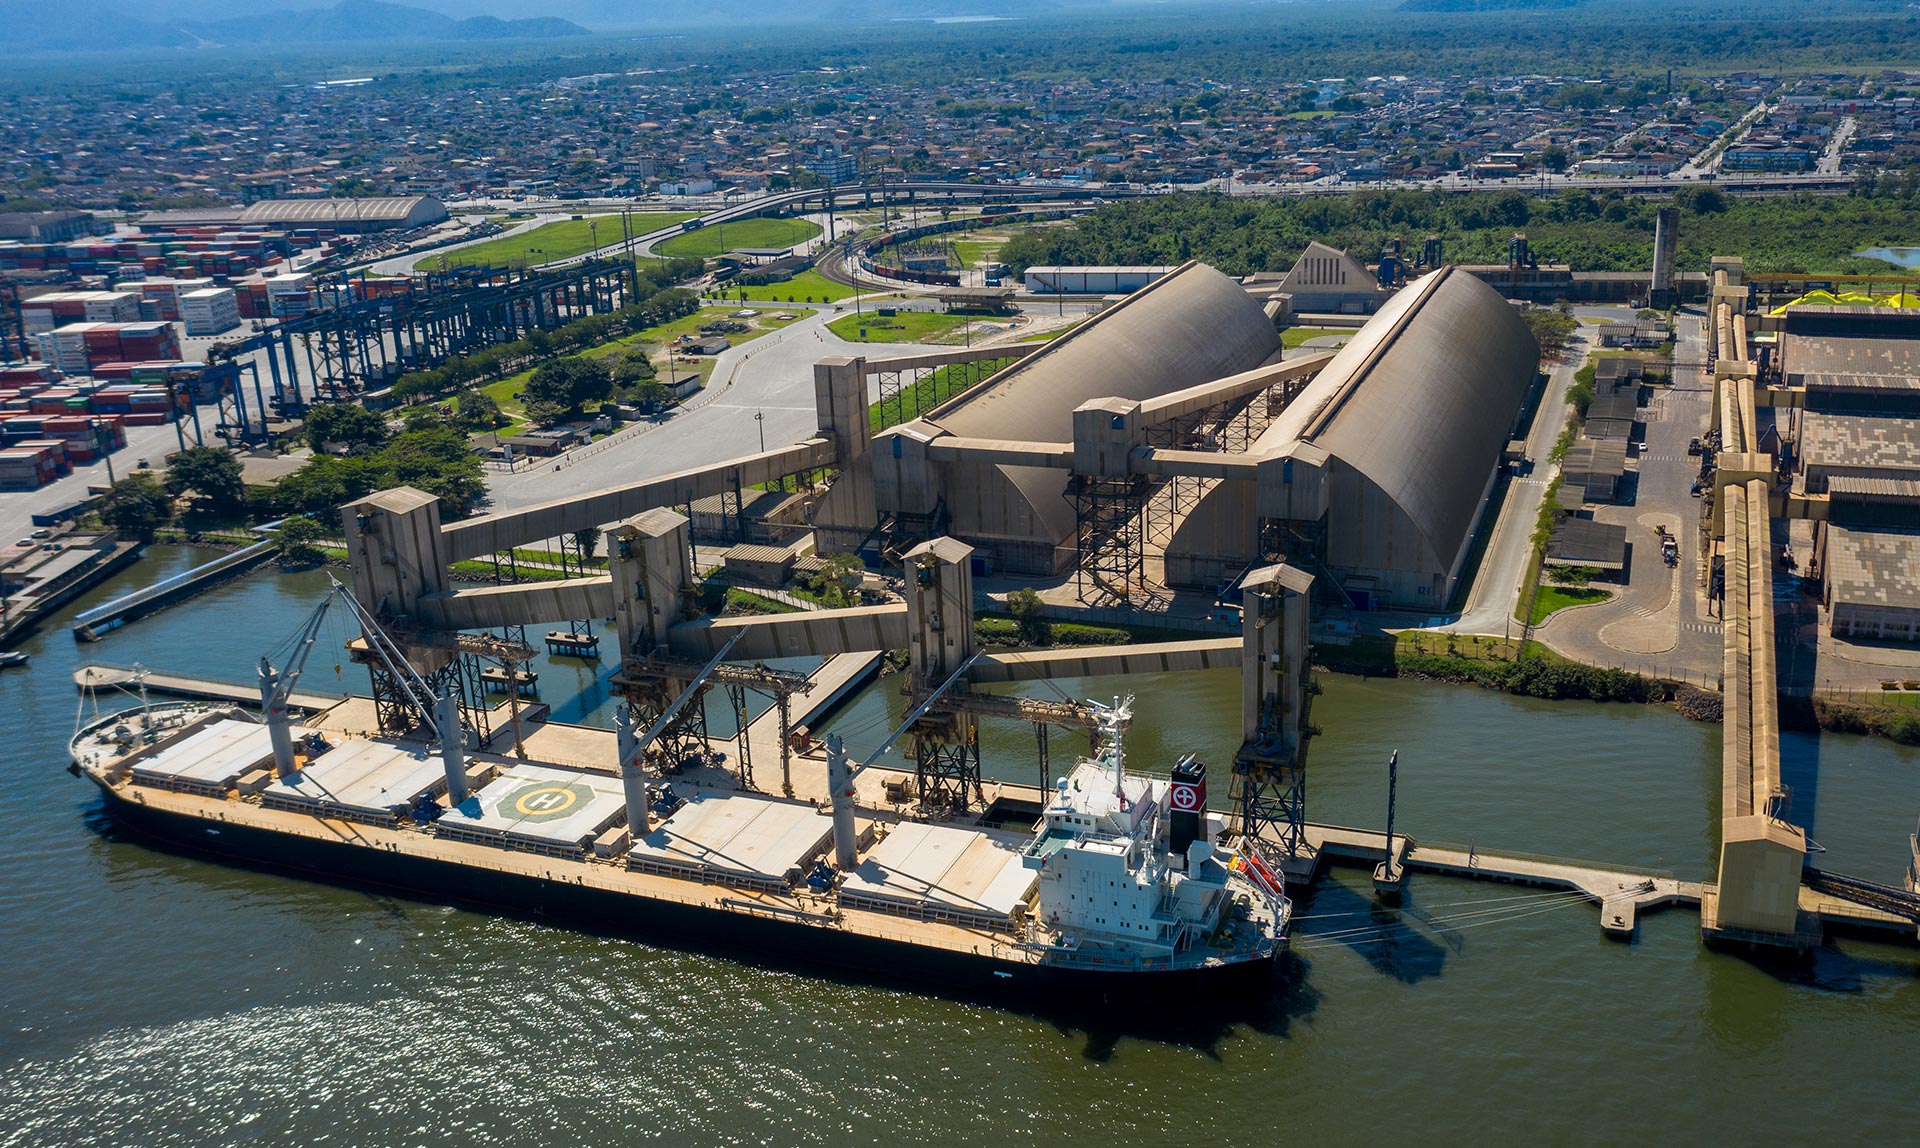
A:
(808, 285)
(1295, 336)
(562, 239)
(903, 327)
(1552, 599)
(719, 238)
(974, 252)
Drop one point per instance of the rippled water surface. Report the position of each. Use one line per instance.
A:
(152, 999)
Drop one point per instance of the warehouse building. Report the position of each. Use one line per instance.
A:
(383, 213)
(1189, 327)
(1327, 280)
(1391, 452)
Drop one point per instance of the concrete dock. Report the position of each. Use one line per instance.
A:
(98, 674)
(1621, 891)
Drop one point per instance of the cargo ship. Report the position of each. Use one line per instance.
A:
(1123, 883)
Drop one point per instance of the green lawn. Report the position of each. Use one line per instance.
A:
(1295, 336)
(719, 238)
(559, 240)
(807, 286)
(974, 252)
(1552, 599)
(901, 327)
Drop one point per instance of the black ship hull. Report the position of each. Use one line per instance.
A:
(757, 939)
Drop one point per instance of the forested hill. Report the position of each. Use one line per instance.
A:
(1592, 231)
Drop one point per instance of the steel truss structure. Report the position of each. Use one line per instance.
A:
(344, 352)
(650, 685)
(907, 394)
(1269, 789)
(1110, 537)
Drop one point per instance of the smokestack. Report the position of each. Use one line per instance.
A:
(633, 769)
(279, 729)
(453, 747)
(840, 786)
(1188, 799)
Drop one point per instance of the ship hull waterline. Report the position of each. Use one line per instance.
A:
(809, 949)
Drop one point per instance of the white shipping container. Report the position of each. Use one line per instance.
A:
(210, 311)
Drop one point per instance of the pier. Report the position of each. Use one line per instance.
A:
(1622, 892)
(98, 674)
(90, 625)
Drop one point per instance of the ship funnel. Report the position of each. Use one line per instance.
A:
(279, 729)
(840, 785)
(1188, 798)
(453, 747)
(633, 769)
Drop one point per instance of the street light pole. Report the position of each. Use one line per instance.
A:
(760, 421)
(106, 451)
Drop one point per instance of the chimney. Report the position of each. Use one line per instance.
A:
(1187, 801)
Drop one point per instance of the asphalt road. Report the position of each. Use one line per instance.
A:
(771, 377)
(1496, 587)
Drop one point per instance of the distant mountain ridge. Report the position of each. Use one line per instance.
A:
(112, 25)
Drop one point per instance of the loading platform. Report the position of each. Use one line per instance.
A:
(573, 644)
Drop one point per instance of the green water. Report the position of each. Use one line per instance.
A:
(155, 1000)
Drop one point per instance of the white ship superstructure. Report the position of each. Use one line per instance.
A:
(1128, 871)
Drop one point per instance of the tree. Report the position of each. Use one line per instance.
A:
(1553, 157)
(353, 426)
(437, 460)
(211, 473)
(634, 367)
(570, 383)
(296, 538)
(1026, 607)
(137, 506)
(838, 577)
(587, 538)
(479, 411)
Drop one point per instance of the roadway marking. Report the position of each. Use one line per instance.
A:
(1701, 627)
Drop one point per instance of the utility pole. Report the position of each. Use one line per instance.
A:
(760, 421)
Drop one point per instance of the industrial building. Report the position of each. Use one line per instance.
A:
(1190, 327)
(1391, 452)
(1091, 280)
(376, 214)
(1166, 442)
(1329, 281)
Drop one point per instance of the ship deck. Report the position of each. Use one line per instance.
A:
(726, 849)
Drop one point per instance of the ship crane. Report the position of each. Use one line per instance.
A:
(840, 777)
(276, 686)
(439, 714)
(633, 748)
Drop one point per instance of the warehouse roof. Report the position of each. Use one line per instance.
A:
(1866, 442)
(393, 211)
(1421, 400)
(1874, 567)
(1584, 542)
(1189, 327)
(1192, 326)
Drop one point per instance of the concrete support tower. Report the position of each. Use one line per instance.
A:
(946, 745)
(1270, 773)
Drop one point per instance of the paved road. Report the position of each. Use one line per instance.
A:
(1496, 587)
(771, 377)
(1659, 624)
(18, 508)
